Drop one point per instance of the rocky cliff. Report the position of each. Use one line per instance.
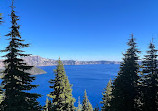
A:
(39, 61)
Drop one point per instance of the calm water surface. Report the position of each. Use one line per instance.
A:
(93, 78)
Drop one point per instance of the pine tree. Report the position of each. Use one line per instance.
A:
(79, 108)
(107, 97)
(150, 80)
(62, 91)
(125, 86)
(1, 95)
(0, 18)
(86, 105)
(48, 105)
(96, 108)
(16, 81)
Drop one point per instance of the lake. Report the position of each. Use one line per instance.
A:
(93, 78)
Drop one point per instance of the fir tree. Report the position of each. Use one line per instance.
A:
(0, 18)
(96, 108)
(79, 108)
(62, 91)
(16, 82)
(48, 105)
(86, 105)
(150, 80)
(1, 95)
(125, 86)
(107, 97)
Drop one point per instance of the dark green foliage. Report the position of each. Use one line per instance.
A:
(0, 18)
(16, 82)
(86, 105)
(96, 108)
(125, 86)
(48, 106)
(1, 95)
(107, 97)
(150, 80)
(62, 91)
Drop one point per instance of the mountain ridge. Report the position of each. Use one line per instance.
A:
(40, 61)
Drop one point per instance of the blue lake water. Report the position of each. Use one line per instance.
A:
(93, 78)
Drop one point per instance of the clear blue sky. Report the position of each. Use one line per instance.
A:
(83, 29)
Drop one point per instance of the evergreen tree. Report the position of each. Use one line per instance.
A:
(62, 91)
(86, 105)
(150, 80)
(48, 105)
(1, 95)
(125, 86)
(16, 81)
(0, 18)
(107, 97)
(79, 108)
(96, 108)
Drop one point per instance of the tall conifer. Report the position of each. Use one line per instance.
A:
(48, 106)
(107, 97)
(1, 95)
(79, 108)
(86, 105)
(96, 108)
(125, 86)
(62, 91)
(16, 82)
(150, 80)
(0, 18)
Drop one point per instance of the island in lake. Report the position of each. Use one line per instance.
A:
(33, 71)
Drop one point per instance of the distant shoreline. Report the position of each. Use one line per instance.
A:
(73, 64)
